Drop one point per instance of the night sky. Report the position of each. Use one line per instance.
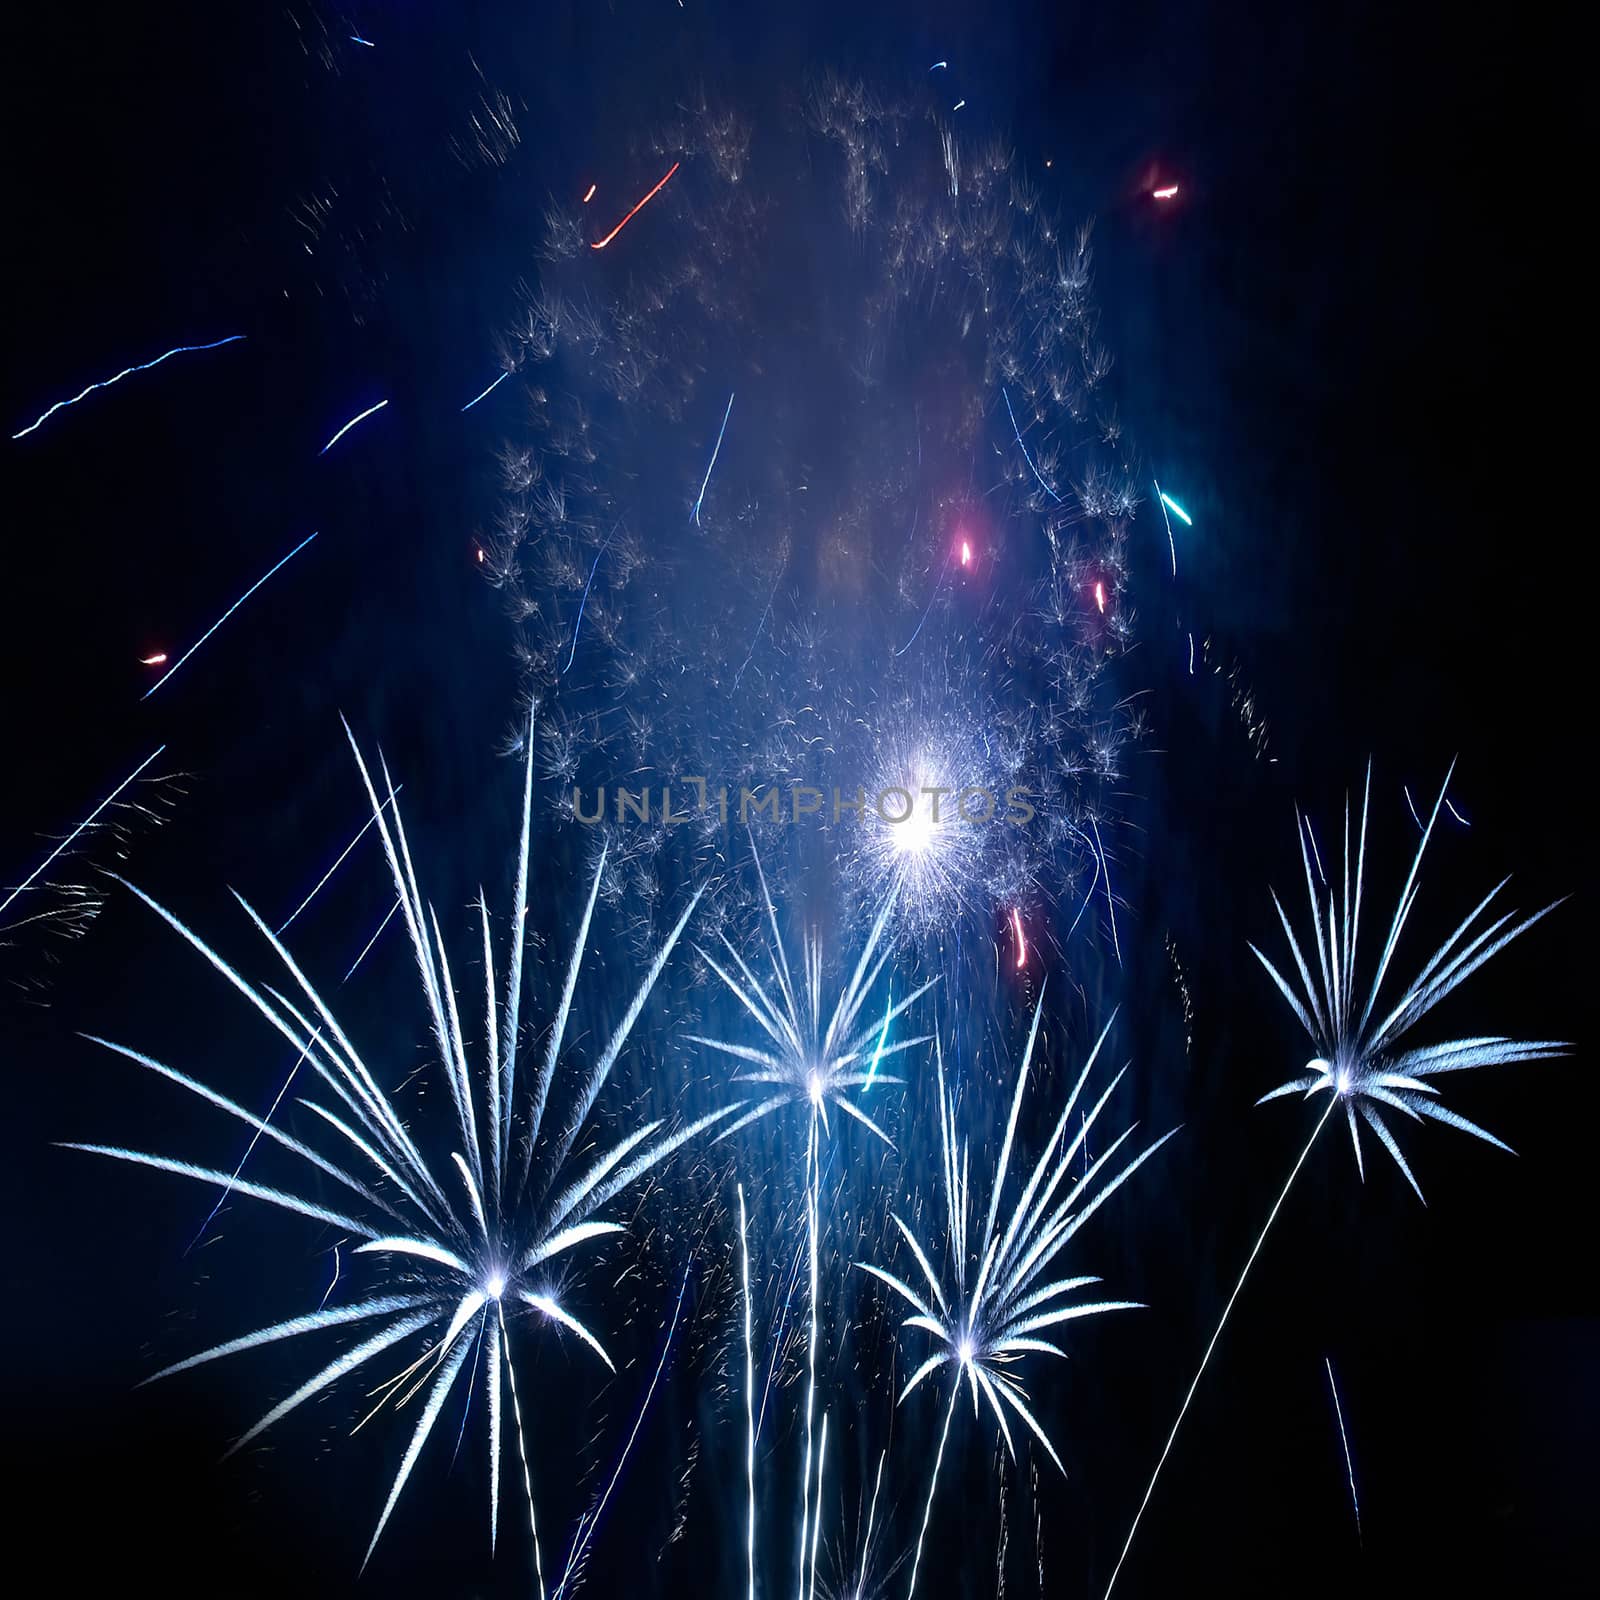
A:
(1350, 347)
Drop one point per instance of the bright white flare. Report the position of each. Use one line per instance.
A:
(472, 1235)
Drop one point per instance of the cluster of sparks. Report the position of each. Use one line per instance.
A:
(460, 1228)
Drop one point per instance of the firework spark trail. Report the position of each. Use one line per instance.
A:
(811, 1340)
(464, 1266)
(711, 465)
(88, 822)
(933, 1483)
(333, 1282)
(943, 574)
(522, 1451)
(584, 603)
(877, 1054)
(1450, 807)
(816, 1524)
(1357, 1064)
(600, 244)
(362, 417)
(388, 918)
(1344, 1439)
(487, 392)
(749, 1408)
(1161, 500)
(591, 1520)
(1024, 449)
(225, 615)
(105, 383)
(1166, 1449)
(1111, 904)
(360, 833)
(755, 638)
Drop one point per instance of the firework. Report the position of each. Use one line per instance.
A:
(455, 1245)
(989, 1312)
(1360, 1061)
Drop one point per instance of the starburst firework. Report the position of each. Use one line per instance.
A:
(465, 1240)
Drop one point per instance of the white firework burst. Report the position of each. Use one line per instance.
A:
(1361, 1060)
(814, 1056)
(992, 1311)
(468, 1243)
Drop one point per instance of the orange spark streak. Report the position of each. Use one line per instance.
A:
(600, 244)
(590, 196)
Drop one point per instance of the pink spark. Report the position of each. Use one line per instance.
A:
(1022, 943)
(157, 660)
(1100, 597)
(1164, 194)
(966, 554)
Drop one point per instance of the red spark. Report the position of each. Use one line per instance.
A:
(157, 660)
(1164, 194)
(590, 196)
(1022, 943)
(600, 244)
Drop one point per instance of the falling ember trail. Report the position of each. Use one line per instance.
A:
(1022, 943)
(1344, 1439)
(593, 1520)
(590, 196)
(1165, 194)
(600, 244)
(105, 383)
(159, 659)
(711, 466)
(487, 392)
(88, 822)
(352, 422)
(224, 617)
(1024, 449)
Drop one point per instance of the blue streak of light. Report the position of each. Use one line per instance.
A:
(355, 38)
(224, 617)
(349, 425)
(337, 864)
(1411, 804)
(711, 465)
(490, 390)
(583, 604)
(1456, 814)
(591, 1521)
(105, 383)
(370, 942)
(943, 571)
(1024, 449)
